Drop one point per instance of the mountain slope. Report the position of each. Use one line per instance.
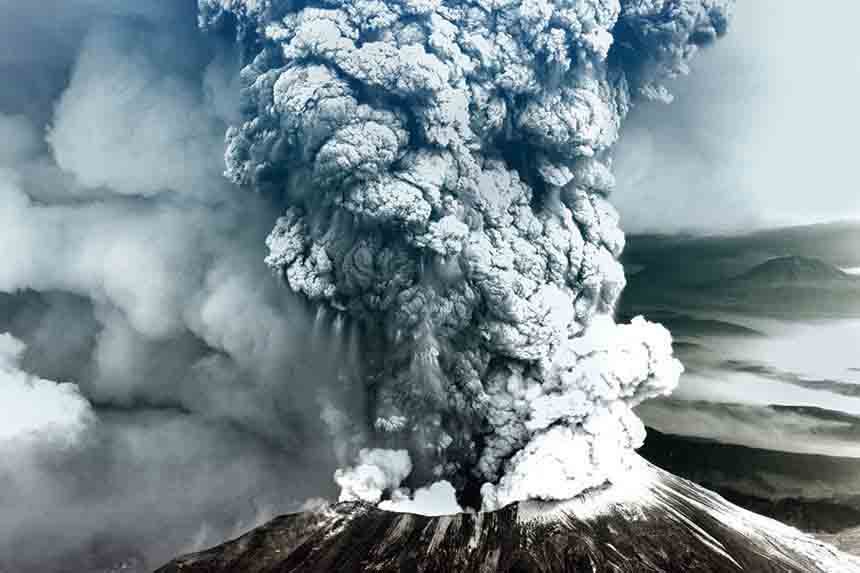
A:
(654, 522)
(815, 493)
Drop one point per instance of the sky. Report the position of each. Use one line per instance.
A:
(761, 134)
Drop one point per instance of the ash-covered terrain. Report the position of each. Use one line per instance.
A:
(651, 521)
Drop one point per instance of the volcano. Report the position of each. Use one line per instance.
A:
(792, 270)
(652, 521)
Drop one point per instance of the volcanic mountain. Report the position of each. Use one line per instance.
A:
(652, 521)
(793, 270)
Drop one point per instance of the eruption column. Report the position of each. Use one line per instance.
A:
(446, 167)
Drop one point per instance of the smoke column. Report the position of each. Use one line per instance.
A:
(446, 168)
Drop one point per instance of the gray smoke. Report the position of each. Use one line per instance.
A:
(446, 167)
(159, 389)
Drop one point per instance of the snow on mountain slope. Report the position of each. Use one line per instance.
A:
(650, 522)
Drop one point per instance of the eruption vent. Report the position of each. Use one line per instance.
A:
(446, 166)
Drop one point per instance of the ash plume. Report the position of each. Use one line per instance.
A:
(446, 168)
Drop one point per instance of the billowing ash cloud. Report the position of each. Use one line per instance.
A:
(446, 167)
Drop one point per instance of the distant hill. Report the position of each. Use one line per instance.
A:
(677, 259)
(793, 270)
(793, 273)
(791, 287)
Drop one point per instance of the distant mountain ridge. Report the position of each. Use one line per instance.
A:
(794, 269)
(691, 260)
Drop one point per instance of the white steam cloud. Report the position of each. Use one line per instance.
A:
(376, 471)
(35, 408)
(446, 167)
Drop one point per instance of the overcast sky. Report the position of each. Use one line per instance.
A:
(763, 133)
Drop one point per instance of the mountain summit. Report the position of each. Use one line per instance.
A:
(653, 522)
(794, 269)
